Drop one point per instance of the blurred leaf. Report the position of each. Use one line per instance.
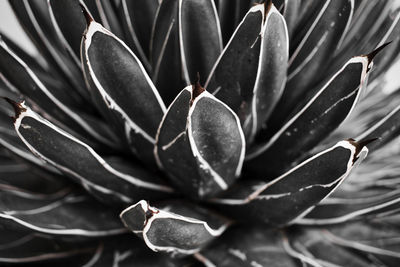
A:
(247, 247)
(199, 37)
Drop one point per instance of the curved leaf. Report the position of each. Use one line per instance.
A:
(318, 118)
(309, 60)
(295, 193)
(175, 227)
(250, 74)
(122, 89)
(81, 163)
(196, 133)
(53, 101)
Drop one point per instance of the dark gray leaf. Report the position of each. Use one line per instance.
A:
(81, 163)
(69, 24)
(200, 143)
(247, 247)
(55, 102)
(199, 37)
(295, 193)
(310, 59)
(122, 89)
(314, 122)
(165, 54)
(385, 129)
(175, 227)
(139, 19)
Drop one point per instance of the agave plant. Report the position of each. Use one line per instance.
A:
(200, 132)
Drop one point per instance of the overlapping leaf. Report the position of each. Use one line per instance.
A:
(197, 132)
(250, 74)
(308, 62)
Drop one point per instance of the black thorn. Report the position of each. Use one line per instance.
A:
(86, 13)
(197, 89)
(18, 108)
(371, 55)
(267, 7)
(360, 145)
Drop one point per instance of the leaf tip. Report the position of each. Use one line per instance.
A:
(18, 107)
(86, 13)
(372, 55)
(359, 145)
(197, 89)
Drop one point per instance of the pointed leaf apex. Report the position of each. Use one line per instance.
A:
(197, 89)
(371, 55)
(267, 7)
(18, 107)
(360, 145)
(86, 13)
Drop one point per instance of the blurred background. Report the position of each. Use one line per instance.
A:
(10, 27)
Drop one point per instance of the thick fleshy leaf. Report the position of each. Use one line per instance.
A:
(309, 60)
(53, 101)
(199, 37)
(10, 141)
(165, 52)
(122, 89)
(314, 122)
(247, 247)
(80, 162)
(296, 192)
(250, 74)
(339, 210)
(175, 227)
(272, 65)
(200, 144)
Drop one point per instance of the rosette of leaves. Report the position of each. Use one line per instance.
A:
(200, 132)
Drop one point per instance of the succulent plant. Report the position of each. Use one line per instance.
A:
(200, 132)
